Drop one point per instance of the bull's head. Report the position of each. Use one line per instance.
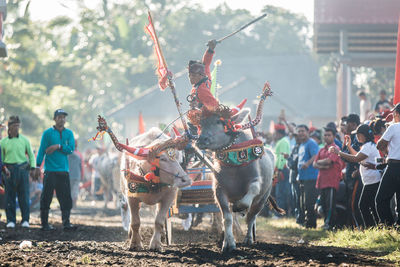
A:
(218, 130)
(171, 172)
(162, 156)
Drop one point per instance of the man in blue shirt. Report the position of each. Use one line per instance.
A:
(56, 144)
(307, 175)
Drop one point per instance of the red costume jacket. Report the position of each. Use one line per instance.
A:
(201, 90)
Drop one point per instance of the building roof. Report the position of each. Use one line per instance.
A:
(370, 26)
(356, 11)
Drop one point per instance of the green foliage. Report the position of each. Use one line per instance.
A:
(373, 80)
(102, 60)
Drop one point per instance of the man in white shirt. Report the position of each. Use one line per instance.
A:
(365, 106)
(390, 183)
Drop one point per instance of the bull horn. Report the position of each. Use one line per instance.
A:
(239, 107)
(265, 93)
(176, 131)
(177, 143)
(135, 152)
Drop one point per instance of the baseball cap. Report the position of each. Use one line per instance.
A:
(13, 120)
(317, 134)
(363, 129)
(60, 111)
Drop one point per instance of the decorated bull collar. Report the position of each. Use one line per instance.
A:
(241, 154)
(145, 188)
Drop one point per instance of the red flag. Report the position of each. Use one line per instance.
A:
(142, 128)
(162, 70)
(396, 98)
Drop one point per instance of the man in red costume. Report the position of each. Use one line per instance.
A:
(200, 78)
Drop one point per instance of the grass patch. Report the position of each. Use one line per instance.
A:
(384, 242)
(289, 228)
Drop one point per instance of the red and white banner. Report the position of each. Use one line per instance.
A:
(162, 70)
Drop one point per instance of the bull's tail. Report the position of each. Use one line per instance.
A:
(273, 205)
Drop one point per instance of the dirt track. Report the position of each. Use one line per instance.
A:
(101, 241)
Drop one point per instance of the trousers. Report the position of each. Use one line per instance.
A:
(58, 181)
(389, 185)
(17, 185)
(308, 197)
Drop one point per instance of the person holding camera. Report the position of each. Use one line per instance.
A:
(389, 144)
(14, 149)
(369, 175)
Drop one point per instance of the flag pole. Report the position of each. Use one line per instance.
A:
(396, 97)
(170, 82)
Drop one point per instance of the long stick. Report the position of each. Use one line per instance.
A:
(178, 106)
(170, 82)
(242, 28)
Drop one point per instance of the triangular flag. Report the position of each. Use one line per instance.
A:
(142, 128)
(162, 69)
(396, 98)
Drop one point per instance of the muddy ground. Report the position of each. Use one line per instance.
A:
(100, 240)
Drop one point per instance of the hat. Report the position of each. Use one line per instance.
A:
(59, 111)
(363, 129)
(354, 118)
(317, 134)
(279, 126)
(13, 120)
(196, 67)
(396, 108)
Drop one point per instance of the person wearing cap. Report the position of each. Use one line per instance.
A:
(352, 177)
(330, 167)
(370, 176)
(14, 149)
(56, 144)
(200, 78)
(390, 183)
(281, 175)
(316, 135)
(307, 175)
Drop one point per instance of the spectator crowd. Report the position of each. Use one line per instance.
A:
(348, 174)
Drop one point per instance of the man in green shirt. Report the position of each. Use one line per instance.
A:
(281, 175)
(14, 149)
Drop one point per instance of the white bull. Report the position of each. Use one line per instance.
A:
(107, 167)
(171, 176)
